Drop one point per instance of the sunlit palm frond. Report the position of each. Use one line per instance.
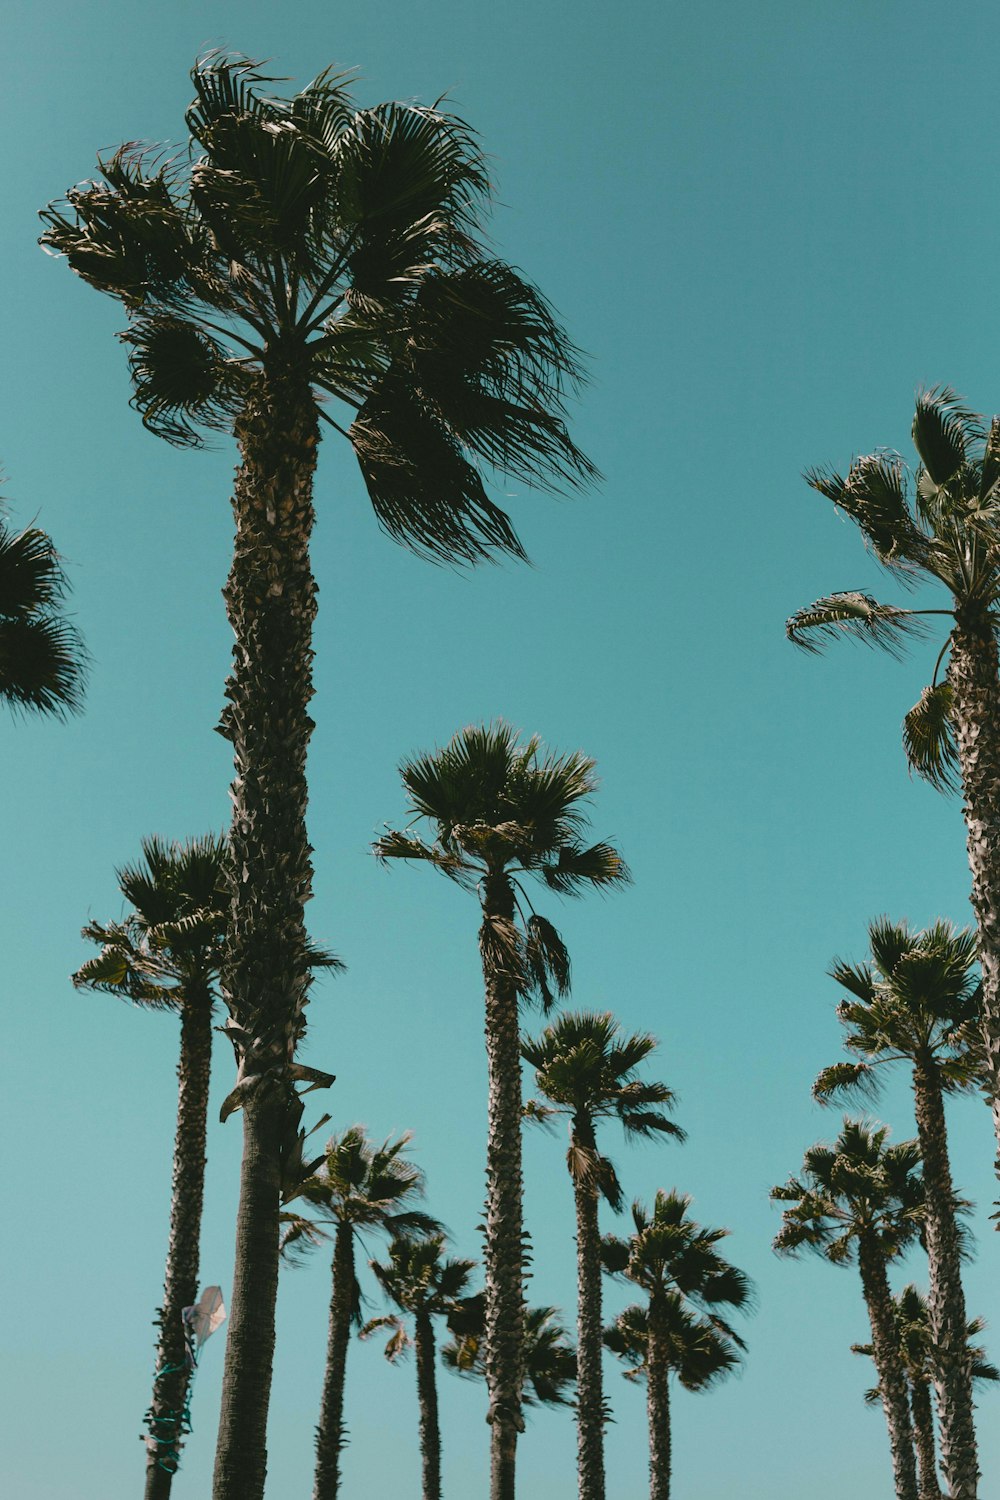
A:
(857, 616)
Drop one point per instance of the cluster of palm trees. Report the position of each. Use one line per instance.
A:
(931, 998)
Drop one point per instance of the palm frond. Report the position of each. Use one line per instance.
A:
(850, 1079)
(945, 432)
(578, 869)
(182, 379)
(857, 616)
(929, 738)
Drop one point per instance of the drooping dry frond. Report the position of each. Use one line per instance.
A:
(929, 738)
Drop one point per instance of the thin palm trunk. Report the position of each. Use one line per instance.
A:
(430, 1429)
(166, 1416)
(330, 1432)
(504, 1227)
(658, 1401)
(923, 1439)
(946, 1303)
(271, 603)
(589, 1345)
(974, 677)
(889, 1364)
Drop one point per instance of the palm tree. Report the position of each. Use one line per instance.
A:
(42, 658)
(916, 1345)
(424, 1284)
(586, 1069)
(549, 1363)
(167, 954)
(944, 527)
(359, 1186)
(699, 1351)
(306, 252)
(862, 1199)
(918, 1002)
(677, 1264)
(501, 809)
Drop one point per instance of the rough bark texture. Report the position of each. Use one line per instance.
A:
(589, 1344)
(270, 597)
(165, 1418)
(946, 1302)
(430, 1428)
(923, 1439)
(330, 1432)
(504, 1255)
(658, 1401)
(889, 1364)
(973, 677)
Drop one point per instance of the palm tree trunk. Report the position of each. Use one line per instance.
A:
(658, 1402)
(330, 1432)
(270, 598)
(589, 1344)
(504, 1251)
(888, 1363)
(974, 677)
(923, 1439)
(165, 1419)
(430, 1429)
(946, 1303)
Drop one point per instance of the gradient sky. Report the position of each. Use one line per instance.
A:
(767, 225)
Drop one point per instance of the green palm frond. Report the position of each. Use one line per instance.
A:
(945, 433)
(577, 869)
(850, 1079)
(857, 616)
(929, 738)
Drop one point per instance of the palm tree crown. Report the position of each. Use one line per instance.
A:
(42, 658)
(361, 1185)
(418, 1278)
(549, 1356)
(699, 1351)
(345, 242)
(669, 1251)
(917, 1345)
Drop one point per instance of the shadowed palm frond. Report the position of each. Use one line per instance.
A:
(929, 738)
(945, 433)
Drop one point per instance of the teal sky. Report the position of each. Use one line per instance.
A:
(767, 225)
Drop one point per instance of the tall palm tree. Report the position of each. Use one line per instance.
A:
(166, 954)
(549, 1364)
(918, 1002)
(916, 1345)
(586, 1069)
(677, 1263)
(942, 524)
(42, 658)
(424, 1284)
(359, 1186)
(863, 1199)
(308, 252)
(501, 809)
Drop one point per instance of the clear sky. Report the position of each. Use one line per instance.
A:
(767, 225)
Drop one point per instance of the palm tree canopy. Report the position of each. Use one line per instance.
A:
(417, 1278)
(42, 659)
(549, 1355)
(344, 243)
(699, 1351)
(361, 1184)
(917, 1000)
(940, 520)
(670, 1251)
(916, 1344)
(861, 1185)
(586, 1068)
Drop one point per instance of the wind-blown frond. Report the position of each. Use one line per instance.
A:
(945, 432)
(858, 616)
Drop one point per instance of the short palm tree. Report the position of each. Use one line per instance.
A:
(916, 1345)
(42, 658)
(862, 1200)
(501, 809)
(166, 954)
(424, 1284)
(918, 1002)
(677, 1263)
(359, 1186)
(306, 254)
(549, 1357)
(940, 524)
(586, 1070)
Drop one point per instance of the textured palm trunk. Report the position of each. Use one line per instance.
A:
(165, 1418)
(430, 1428)
(330, 1432)
(923, 1439)
(658, 1401)
(589, 1344)
(975, 687)
(889, 1364)
(946, 1302)
(270, 598)
(504, 1251)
